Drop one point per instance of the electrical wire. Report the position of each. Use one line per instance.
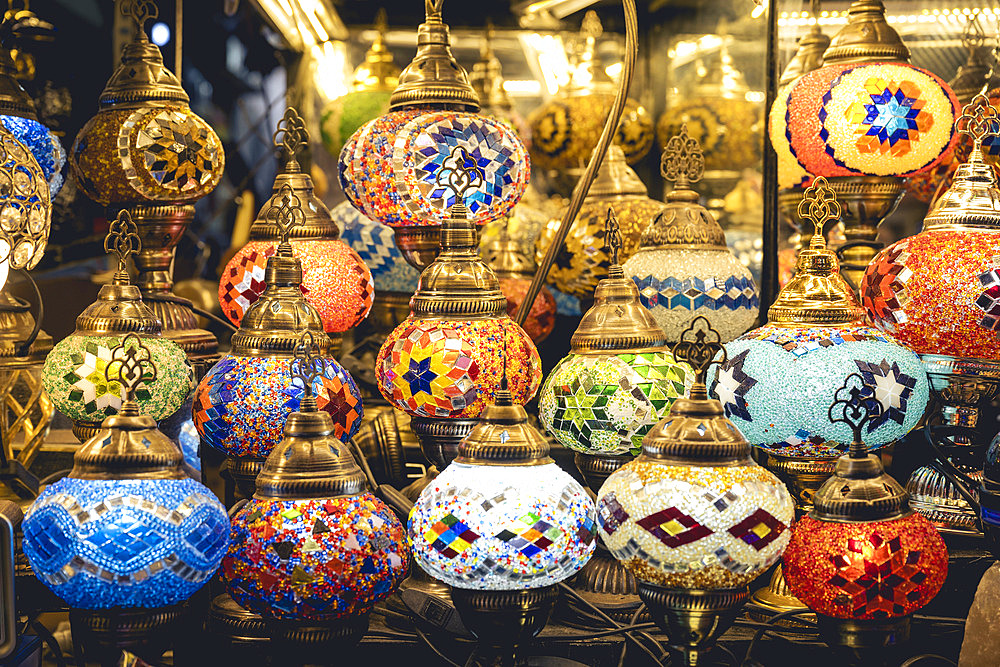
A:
(928, 656)
(769, 625)
(607, 619)
(435, 649)
(633, 621)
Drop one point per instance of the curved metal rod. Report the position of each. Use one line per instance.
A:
(583, 187)
(25, 347)
(953, 475)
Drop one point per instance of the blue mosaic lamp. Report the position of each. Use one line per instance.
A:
(775, 381)
(126, 537)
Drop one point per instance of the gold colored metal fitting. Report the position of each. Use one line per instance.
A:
(290, 138)
(504, 437)
(976, 73)
(434, 76)
(817, 295)
(378, 71)
(506, 257)
(617, 322)
(597, 79)
(683, 222)
(722, 78)
(973, 199)
(119, 307)
(487, 76)
(14, 99)
(860, 489)
(808, 56)
(274, 322)
(129, 446)
(697, 431)
(615, 178)
(866, 38)
(309, 462)
(16, 325)
(141, 77)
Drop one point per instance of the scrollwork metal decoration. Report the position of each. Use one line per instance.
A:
(819, 205)
(307, 365)
(131, 364)
(682, 161)
(432, 10)
(291, 135)
(699, 346)
(141, 12)
(460, 173)
(854, 405)
(285, 212)
(612, 236)
(122, 240)
(978, 121)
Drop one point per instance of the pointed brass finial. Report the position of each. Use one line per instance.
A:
(819, 205)
(140, 11)
(973, 36)
(307, 365)
(612, 236)
(459, 173)
(432, 10)
(291, 135)
(682, 161)
(699, 346)
(122, 240)
(285, 212)
(854, 405)
(978, 121)
(591, 27)
(381, 23)
(131, 364)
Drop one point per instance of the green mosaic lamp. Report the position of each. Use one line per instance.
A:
(73, 373)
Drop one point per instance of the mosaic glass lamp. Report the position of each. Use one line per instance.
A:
(74, 371)
(684, 268)
(502, 525)
(583, 261)
(127, 536)
(774, 380)
(368, 98)
(866, 120)
(241, 405)
(694, 519)
(939, 293)
(565, 130)
(314, 549)
(393, 168)
(442, 365)
(862, 559)
(335, 280)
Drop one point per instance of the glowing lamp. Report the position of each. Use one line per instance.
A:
(515, 269)
(25, 207)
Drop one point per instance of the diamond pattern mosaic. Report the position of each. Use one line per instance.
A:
(450, 537)
(673, 527)
(375, 243)
(758, 530)
(529, 534)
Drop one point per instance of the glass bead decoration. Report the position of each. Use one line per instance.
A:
(491, 527)
(790, 172)
(375, 244)
(45, 147)
(102, 544)
(25, 207)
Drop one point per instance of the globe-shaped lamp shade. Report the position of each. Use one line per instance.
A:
(45, 147)
(73, 377)
(25, 207)
(542, 316)
(316, 559)
(395, 168)
(873, 570)
(343, 116)
(128, 155)
(882, 119)
(102, 544)
(790, 172)
(496, 527)
(728, 130)
(335, 280)
(606, 403)
(775, 382)
(241, 405)
(523, 226)
(375, 244)
(433, 367)
(694, 526)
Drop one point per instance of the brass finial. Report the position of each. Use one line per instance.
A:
(307, 365)
(459, 173)
(612, 236)
(285, 212)
(682, 160)
(591, 27)
(819, 205)
(122, 240)
(377, 72)
(140, 11)
(854, 406)
(699, 346)
(291, 136)
(131, 364)
(973, 36)
(980, 121)
(432, 10)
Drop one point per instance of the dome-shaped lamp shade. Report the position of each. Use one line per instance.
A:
(542, 316)
(45, 147)
(565, 131)
(375, 244)
(25, 207)
(729, 130)
(790, 172)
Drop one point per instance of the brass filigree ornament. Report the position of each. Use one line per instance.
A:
(25, 207)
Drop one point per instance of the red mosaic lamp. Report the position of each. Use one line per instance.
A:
(515, 269)
(866, 120)
(862, 559)
(335, 280)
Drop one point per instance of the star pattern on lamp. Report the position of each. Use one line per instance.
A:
(877, 576)
(733, 384)
(890, 386)
(883, 289)
(989, 300)
(891, 118)
(178, 151)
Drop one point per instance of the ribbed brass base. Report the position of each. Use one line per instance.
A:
(864, 201)
(84, 431)
(439, 438)
(802, 476)
(243, 471)
(419, 245)
(776, 598)
(605, 583)
(596, 468)
(503, 622)
(104, 633)
(389, 309)
(237, 627)
(302, 643)
(867, 643)
(693, 619)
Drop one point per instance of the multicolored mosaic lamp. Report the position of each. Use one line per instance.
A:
(866, 120)
(127, 536)
(146, 151)
(393, 169)
(74, 371)
(583, 260)
(862, 559)
(368, 98)
(442, 366)
(694, 519)
(939, 293)
(502, 525)
(684, 269)
(241, 405)
(335, 280)
(314, 549)
(775, 378)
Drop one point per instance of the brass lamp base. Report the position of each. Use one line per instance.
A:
(305, 643)
(802, 476)
(418, 244)
(389, 310)
(439, 438)
(864, 642)
(234, 626)
(243, 471)
(85, 430)
(776, 598)
(105, 633)
(933, 496)
(693, 619)
(596, 468)
(503, 622)
(605, 583)
(865, 202)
